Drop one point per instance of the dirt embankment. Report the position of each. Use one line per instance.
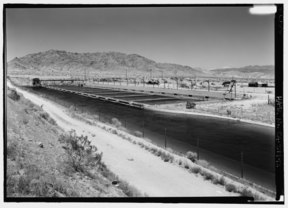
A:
(37, 163)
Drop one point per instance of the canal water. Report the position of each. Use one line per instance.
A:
(221, 141)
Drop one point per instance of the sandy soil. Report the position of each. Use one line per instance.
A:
(144, 171)
(253, 110)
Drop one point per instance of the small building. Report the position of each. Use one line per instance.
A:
(226, 83)
(261, 84)
(253, 84)
(36, 82)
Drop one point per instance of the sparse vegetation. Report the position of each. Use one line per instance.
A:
(37, 165)
(230, 187)
(32, 181)
(203, 163)
(12, 93)
(195, 169)
(46, 117)
(115, 122)
(191, 156)
(207, 175)
(81, 154)
(222, 181)
(138, 134)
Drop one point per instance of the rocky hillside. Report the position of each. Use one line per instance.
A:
(264, 72)
(55, 62)
(40, 164)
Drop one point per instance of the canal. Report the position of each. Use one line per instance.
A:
(220, 141)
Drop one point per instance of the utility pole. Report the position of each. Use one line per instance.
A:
(165, 139)
(198, 152)
(242, 164)
(126, 77)
(143, 128)
(235, 88)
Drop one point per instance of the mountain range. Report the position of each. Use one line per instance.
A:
(101, 64)
(264, 72)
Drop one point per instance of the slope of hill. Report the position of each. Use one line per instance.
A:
(38, 164)
(264, 72)
(56, 62)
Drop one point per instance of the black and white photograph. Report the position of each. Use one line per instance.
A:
(143, 103)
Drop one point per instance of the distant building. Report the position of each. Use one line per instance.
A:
(253, 84)
(36, 82)
(257, 84)
(226, 83)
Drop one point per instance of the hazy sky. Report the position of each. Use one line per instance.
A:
(208, 37)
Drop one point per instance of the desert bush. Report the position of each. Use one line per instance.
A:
(186, 165)
(95, 117)
(12, 149)
(222, 181)
(230, 187)
(114, 131)
(12, 93)
(25, 120)
(129, 190)
(228, 112)
(33, 182)
(246, 192)
(203, 163)
(46, 117)
(138, 134)
(191, 156)
(165, 157)
(207, 175)
(195, 169)
(158, 152)
(116, 122)
(215, 180)
(51, 121)
(81, 154)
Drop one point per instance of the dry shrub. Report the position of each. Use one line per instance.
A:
(129, 190)
(46, 117)
(138, 134)
(12, 93)
(195, 169)
(114, 131)
(203, 163)
(81, 155)
(222, 181)
(115, 122)
(247, 192)
(12, 150)
(191, 156)
(207, 175)
(230, 187)
(34, 182)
